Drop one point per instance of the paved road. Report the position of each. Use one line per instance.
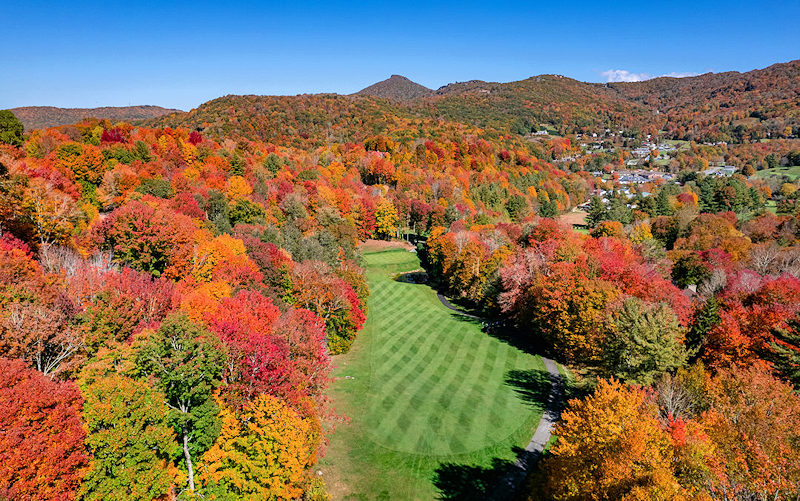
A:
(531, 454)
(447, 304)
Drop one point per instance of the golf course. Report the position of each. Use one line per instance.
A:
(425, 398)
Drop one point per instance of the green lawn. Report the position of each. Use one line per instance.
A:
(434, 403)
(772, 206)
(792, 172)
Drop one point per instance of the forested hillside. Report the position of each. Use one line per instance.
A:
(174, 295)
(731, 107)
(40, 117)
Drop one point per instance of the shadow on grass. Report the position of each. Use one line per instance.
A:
(463, 482)
(533, 386)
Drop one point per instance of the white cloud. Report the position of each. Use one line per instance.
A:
(627, 76)
(680, 74)
(624, 76)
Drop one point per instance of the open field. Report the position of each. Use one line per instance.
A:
(573, 217)
(792, 172)
(435, 405)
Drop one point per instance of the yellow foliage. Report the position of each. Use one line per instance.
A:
(386, 219)
(238, 187)
(611, 446)
(262, 453)
(210, 253)
(640, 233)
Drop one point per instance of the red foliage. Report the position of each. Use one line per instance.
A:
(152, 239)
(115, 135)
(195, 138)
(42, 455)
(752, 307)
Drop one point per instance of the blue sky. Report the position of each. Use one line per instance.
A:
(181, 54)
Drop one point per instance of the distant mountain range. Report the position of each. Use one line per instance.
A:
(728, 106)
(40, 117)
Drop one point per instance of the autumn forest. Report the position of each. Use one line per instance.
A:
(542, 289)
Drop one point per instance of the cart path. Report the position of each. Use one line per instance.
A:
(533, 452)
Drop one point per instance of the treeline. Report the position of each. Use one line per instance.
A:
(688, 323)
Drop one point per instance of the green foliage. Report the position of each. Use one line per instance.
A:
(10, 129)
(245, 211)
(690, 270)
(132, 443)
(517, 207)
(187, 363)
(120, 153)
(646, 341)
(237, 164)
(157, 187)
(308, 175)
(142, 151)
(548, 208)
(785, 352)
(89, 193)
(218, 211)
(273, 163)
(618, 210)
(597, 212)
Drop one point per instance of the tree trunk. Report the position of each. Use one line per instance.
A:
(188, 458)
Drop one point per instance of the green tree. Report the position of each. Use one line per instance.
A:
(132, 442)
(10, 129)
(517, 207)
(663, 207)
(186, 362)
(245, 211)
(548, 208)
(645, 341)
(618, 210)
(706, 319)
(597, 212)
(785, 352)
(690, 270)
(772, 161)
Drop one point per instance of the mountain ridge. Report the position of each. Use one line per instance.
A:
(41, 117)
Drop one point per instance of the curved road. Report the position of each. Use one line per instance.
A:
(528, 457)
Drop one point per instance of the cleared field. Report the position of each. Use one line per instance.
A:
(434, 404)
(792, 172)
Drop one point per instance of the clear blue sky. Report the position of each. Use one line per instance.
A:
(181, 54)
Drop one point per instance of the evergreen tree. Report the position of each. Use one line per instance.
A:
(663, 207)
(597, 212)
(704, 321)
(548, 208)
(10, 129)
(646, 341)
(785, 352)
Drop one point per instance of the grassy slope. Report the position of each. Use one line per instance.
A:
(791, 172)
(432, 400)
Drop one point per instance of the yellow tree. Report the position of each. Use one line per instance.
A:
(264, 452)
(386, 219)
(611, 446)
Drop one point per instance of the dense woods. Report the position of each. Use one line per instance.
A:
(172, 293)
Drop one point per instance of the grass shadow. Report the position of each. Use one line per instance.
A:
(465, 482)
(532, 386)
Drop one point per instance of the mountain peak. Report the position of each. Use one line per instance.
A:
(396, 87)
